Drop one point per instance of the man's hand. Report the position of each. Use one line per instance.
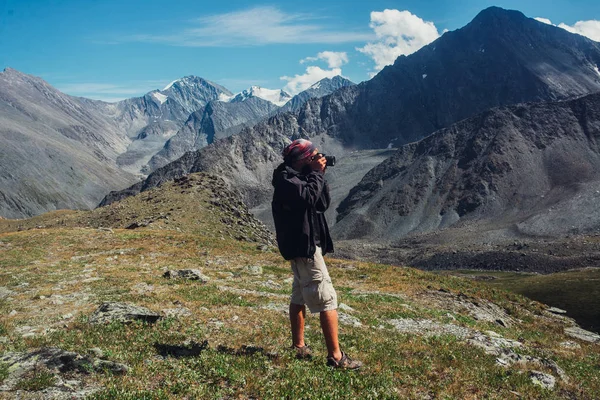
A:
(319, 163)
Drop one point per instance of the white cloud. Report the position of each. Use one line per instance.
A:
(255, 26)
(313, 74)
(398, 33)
(107, 91)
(589, 29)
(333, 59)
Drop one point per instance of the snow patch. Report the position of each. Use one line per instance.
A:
(316, 85)
(170, 84)
(160, 97)
(596, 69)
(275, 96)
(424, 76)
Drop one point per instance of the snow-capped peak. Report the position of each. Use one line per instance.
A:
(275, 96)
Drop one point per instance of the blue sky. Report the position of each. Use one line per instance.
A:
(110, 50)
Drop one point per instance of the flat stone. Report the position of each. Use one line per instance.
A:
(122, 312)
(556, 310)
(581, 334)
(541, 379)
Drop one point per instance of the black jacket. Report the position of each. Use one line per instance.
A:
(299, 201)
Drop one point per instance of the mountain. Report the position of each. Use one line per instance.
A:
(60, 151)
(151, 120)
(501, 57)
(217, 120)
(322, 88)
(229, 115)
(525, 170)
(57, 151)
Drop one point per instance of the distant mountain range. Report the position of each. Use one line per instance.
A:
(60, 151)
(500, 58)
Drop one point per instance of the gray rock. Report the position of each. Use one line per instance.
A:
(556, 310)
(5, 292)
(122, 312)
(345, 307)
(346, 319)
(271, 284)
(570, 345)
(177, 312)
(254, 269)
(581, 334)
(541, 379)
(189, 274)
(96, 352)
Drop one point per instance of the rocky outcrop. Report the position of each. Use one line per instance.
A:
(54, 373)
(122, 312)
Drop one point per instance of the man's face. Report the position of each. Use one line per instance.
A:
(305, 161)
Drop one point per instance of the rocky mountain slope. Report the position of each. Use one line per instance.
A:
(57, 151)
(530, 169)
(322, 88)
(215, 121)
(176, 306)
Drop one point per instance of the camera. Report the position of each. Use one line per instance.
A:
(330, 160)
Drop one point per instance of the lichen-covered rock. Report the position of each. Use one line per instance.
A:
(189, 274)
(546, 381)
(122, 312)
(64, 365)
(582, 334)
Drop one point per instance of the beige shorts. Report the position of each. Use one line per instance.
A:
(312, 285)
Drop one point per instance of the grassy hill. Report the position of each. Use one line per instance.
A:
(421, 335)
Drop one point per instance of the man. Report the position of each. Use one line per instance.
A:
(300, 199)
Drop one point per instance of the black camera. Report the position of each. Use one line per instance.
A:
(330, 160)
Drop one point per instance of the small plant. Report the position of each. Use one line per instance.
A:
(39, 379)
(3, 372)
(3, 330)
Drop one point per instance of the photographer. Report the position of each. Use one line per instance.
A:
(300, 199)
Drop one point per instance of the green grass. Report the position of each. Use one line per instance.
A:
(396, 365)
(40, 379)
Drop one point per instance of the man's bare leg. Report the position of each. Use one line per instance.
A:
(329, 324)
(297, 316)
